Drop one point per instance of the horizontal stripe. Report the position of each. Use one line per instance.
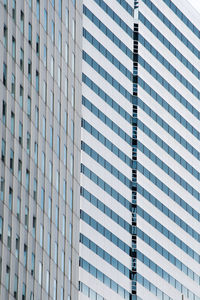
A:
(106, 187)
(108, 144)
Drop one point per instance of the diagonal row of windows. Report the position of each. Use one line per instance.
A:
(106, 187)
(170, 109)
(173, 28)
(169, 46)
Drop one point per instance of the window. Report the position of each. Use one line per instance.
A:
(17, 247)
(11, 159)
(25, 255)
(43, 127)
(58, 146)
(30, 3)
(66, 87)
(20, 133)
(55, 252)
(7, 277)
(42, 198)
(71, 164)
(66, 17)
(59, 111)
(35, 189)
(73, 62)
(29, 70)
(45, 20)
(71, 199)
(4, 74)
(18, 208)
(52, 66)
(38, 9)
(60, 8)
(5, 36)
(34, 226)
(24, 291)
(69, 269)
(13, 48)
(51, 101)
(66, 121)
(72, 130)
(51, 137)
(41, 235)
(73, 96)
(45, 55)
(47, 281)
(29, 33)
(22, 22)
(10, 198)
(66, 52)
(37, 81)
(40, 273)
(5, 3)
(15, 286)
(21, 59)
(13, 85)
(52, 31)
(1, 228)
(73, 29)
(56, 216)
(54, 289)
(57, 181)
(65, 155)
(12, 128)
(64, 225)
(36, 116)
(62, 261)
(26, 217)
(59, 76)
(49, 244)
(2, 191)
(49, 208)
(44, 91)
(4, 108)
(64, 189)
(29, 107)
(21, 96)
(59, 42)
(62, 294)
(37, 44)
(3, 150)
(9, 238)
(33, 264)
(28, 142)
(50, 171)
(70, 233)
(19, 170)
(14, 10)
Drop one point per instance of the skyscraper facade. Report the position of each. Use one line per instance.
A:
(139, 218)
(40, 106)
(99, 139)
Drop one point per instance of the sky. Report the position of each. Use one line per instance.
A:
(196, 4)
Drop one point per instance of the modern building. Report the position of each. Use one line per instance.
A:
(99, 139)
(40, 107)
(140, 141)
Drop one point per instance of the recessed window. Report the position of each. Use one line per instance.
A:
(29, 33)
(4, 74)
(22, 22)
(5, 36)
(13, 85)
(37, 44)
(14, 10)
(45, 19)
(13, 48)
